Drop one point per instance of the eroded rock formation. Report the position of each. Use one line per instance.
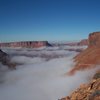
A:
(89, 91)
(94, 39)
(90, 57)
(83, 42)
(85, 60)
(5, 60)
(27, 44)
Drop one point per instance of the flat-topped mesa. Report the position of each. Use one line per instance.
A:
(27, 44)
(90, 57)
(94, 39)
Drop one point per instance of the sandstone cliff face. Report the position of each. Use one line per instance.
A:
(83, 42)
(89, 91)
(87, 59)
(5, 60)
(90, 57)
(27, 44)
(94, 39)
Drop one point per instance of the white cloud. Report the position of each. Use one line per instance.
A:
(38, 79)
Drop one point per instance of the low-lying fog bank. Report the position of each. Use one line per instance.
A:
(39, 78)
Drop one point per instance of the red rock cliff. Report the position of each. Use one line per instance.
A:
(30, 44)
(90, 56)
(87, 59)
(83, 42)
(94, 39)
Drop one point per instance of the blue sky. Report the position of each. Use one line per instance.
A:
(52, 20)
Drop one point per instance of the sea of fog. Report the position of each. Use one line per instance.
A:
(40, 74)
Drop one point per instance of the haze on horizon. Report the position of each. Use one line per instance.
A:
(52, 20)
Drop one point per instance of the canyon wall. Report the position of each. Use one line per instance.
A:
(87, 59)
(94, 39)
(29, 44)
(83, 42)
(90, 57)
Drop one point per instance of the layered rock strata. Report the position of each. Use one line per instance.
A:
(27, 44)
(90, 57)
(87, 59)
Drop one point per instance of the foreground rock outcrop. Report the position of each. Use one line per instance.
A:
(27, 44)
(90, 57)
(5, 60)
(89, 91)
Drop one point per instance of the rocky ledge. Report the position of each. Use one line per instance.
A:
(89, 91)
